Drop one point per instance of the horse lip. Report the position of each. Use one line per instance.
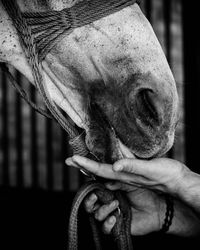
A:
(121, 148)
(125, 151)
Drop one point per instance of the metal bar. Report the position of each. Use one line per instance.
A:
(33, 146)
(191, 41)
(167, 10)
(5, 133)
(148, 9)
(19, 135)
(65, 152)
(167, 21)
(49, 154)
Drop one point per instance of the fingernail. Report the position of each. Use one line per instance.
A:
(111, 220)
(93, 197)
(71, 163)
(68, 161)
(115, 203)
(117, 167)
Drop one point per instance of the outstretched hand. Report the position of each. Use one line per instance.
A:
(161, 174)
(143, 182)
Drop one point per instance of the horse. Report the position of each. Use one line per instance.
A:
(109, 75)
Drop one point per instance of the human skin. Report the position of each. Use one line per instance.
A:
(145, 182)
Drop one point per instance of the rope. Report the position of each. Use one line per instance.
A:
(50, 27)
(29, 47)
(23, 94)
(121, 230)
(37, 38)
(64, 21)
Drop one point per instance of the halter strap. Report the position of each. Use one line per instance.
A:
(50, 27)
(37, 41)
(29, 47)
(40, 31)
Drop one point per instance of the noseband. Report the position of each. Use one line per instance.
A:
(39, 32)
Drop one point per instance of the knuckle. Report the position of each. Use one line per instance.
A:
(106, 228)
(109, 224)
(99, 214)
(88, 208)
(98, 169)
(89, 203)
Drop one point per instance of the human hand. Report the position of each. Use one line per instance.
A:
(147, 208)
(160, 174)
(144, 181)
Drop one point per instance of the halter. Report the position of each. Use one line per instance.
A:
(39, 32)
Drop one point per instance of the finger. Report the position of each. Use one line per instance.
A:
(70, 162)
(109, 224)
(104, 170)
(90, 203)
(133, 166)
(104, 211)
(113, 186)
(99, 169)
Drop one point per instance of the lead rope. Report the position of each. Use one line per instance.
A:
(120, 232)
(79, 15)
(23, 93)
(29, 48)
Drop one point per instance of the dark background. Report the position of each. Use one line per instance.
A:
(36, 188)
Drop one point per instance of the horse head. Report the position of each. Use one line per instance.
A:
(113, 80)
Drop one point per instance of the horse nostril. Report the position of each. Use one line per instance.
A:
(148, 107)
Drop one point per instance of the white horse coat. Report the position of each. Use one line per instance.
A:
(115, 63)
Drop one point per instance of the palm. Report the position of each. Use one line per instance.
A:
(145, 206)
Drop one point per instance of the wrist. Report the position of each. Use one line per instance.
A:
(166, 213)
(185, 222)
(189, 189)
(179, 181)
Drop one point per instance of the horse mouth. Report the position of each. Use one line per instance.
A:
(107, 146)
(125, 151)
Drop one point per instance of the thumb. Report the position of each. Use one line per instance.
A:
(113, 186)
(133, 166)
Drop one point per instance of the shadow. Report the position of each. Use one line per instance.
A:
(36, 219)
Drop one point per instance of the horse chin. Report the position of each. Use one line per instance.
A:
(107, 147)
(120, 150)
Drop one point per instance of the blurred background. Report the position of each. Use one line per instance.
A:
(33, 177)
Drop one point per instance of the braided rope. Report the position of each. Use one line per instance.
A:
(23, 93)
(29, 48)
(46, 38)
(52, 26)
(121, 230)
(37, 46)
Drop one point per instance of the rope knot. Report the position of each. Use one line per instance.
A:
(67, 18)
(78, 145)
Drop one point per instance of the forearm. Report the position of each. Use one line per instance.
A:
(189, 190)
(185, 222)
